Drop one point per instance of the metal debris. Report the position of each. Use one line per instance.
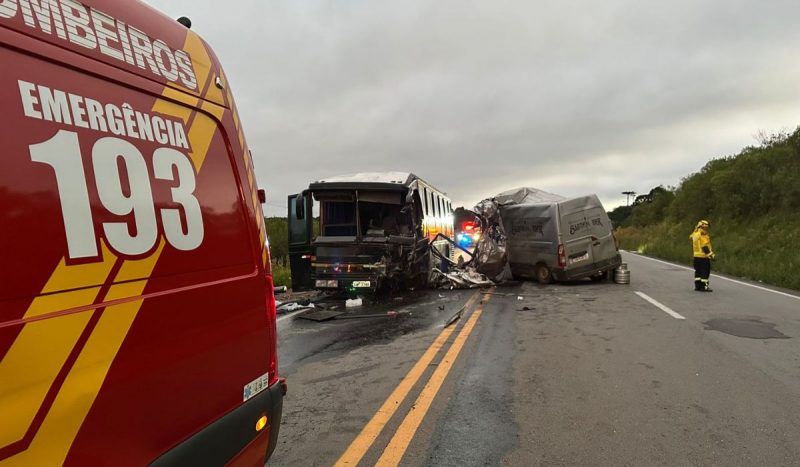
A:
(465, 278)
(455, 317)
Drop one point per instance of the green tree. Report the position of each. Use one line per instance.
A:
(278, 233)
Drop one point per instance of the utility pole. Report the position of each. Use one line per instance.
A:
(628, 195)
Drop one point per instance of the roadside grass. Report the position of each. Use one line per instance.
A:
(281, 275)
(764, 249)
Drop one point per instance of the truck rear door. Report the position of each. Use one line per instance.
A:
(300, 231)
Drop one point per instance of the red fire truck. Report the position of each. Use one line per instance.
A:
(137, 321)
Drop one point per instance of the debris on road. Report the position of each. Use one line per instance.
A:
(455, 317)
(353, 302)
(390, 313)
(510, 294)
(292, 306)
(320, 315)
(464, 278)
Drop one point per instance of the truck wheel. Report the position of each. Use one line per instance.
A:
(543, 274)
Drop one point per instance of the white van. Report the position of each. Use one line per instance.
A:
(561, 240)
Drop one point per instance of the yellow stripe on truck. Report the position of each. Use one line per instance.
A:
(202, 132)
(52, 442)
(201, 62)
(34, 359)
(80, 389)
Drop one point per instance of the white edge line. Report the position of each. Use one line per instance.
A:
(663, 308)
(292, 314)
(715, 276)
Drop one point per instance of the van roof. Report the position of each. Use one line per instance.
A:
(527, 195)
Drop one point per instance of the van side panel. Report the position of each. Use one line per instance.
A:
(532, 233)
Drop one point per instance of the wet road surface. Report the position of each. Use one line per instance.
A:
(566, 374)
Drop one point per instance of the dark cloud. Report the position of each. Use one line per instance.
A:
(478, 97)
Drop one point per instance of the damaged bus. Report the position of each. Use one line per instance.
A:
(377, 231)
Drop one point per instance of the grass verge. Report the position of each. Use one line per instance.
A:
(766, 249)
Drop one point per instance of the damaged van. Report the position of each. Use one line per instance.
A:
(546, 237)
(377, 231)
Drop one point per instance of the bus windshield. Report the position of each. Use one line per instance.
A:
(363, 214)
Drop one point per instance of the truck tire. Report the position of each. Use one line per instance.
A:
(543, 274)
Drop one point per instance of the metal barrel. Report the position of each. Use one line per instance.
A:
(622, 275)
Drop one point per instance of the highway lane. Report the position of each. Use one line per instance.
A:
(570, 374)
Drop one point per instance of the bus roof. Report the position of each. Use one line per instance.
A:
(370, 181)
(403, 178)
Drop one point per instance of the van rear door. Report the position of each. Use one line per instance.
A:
(576, 235)
(603, 245)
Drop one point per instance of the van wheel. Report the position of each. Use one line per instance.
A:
(543, 274)
(600, 277)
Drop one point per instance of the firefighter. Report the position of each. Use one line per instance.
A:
(703, 254)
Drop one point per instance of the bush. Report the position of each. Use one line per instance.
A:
(762, 250)
(281, 275)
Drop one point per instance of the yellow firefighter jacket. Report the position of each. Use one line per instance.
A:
(701, 244)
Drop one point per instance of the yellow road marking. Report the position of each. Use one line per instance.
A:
(373, 428)
(405, 433)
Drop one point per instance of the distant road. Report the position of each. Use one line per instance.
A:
(650, 373)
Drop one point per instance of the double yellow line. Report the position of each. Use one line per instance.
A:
(405, 433)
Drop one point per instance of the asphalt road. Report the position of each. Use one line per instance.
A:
(650, 373)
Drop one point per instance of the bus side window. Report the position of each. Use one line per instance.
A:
(434, 214)
(426, 212)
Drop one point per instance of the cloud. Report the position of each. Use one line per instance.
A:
(478, 97)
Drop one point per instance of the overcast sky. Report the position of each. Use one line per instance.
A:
(569, 96)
